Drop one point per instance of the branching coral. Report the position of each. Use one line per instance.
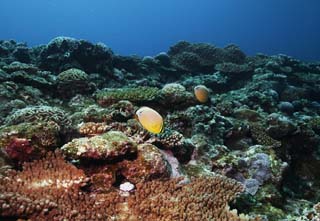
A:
(201, 199)
(50, 189)
(36, 189)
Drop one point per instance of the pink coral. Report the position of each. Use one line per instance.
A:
(19, 149)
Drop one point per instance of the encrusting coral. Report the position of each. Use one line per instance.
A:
(91, 129)
(108, 146)
(29, 141)
(50, 189)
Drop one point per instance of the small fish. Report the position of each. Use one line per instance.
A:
(202, 93)
(150, 119)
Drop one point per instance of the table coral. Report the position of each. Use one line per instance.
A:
(201, 199)
(137, 95)
(18, 66)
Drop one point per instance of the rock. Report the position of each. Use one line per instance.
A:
(286, 107)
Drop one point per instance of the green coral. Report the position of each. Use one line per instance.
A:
(259, 134)
(42, 135)
(314, 123)
(18, 66)
(137, 94)
(109, 146)
(72, 75)
(175, 93)
(39, 113)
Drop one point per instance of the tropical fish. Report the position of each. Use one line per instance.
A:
(150, 119)
(202, 93)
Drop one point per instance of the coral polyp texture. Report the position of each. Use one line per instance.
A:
(108, 146)
(238, 137)
(138, 94)
(51, 189)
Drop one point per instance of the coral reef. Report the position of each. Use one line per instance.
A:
(73, 81)
(27, 141)
(108, 146)
(50, 189)
(252, 131)
(138, 94)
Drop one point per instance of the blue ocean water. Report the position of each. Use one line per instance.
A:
(147, 27)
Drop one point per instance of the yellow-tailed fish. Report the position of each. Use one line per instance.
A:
(150, 119)
(202, 93)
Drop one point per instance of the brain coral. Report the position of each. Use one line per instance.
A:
(39, 113)
(73, 81)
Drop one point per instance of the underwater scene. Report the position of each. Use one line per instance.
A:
(160, 111)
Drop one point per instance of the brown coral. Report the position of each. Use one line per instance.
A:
(201, 199)
(261, 137)
(169, 139)
(108, 146)
(150, 164)
(36, 189)
(90, 129)
(49, 189)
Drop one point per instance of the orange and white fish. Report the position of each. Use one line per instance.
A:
(150, 119)
(202, 93)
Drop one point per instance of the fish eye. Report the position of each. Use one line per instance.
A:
(139, 112)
